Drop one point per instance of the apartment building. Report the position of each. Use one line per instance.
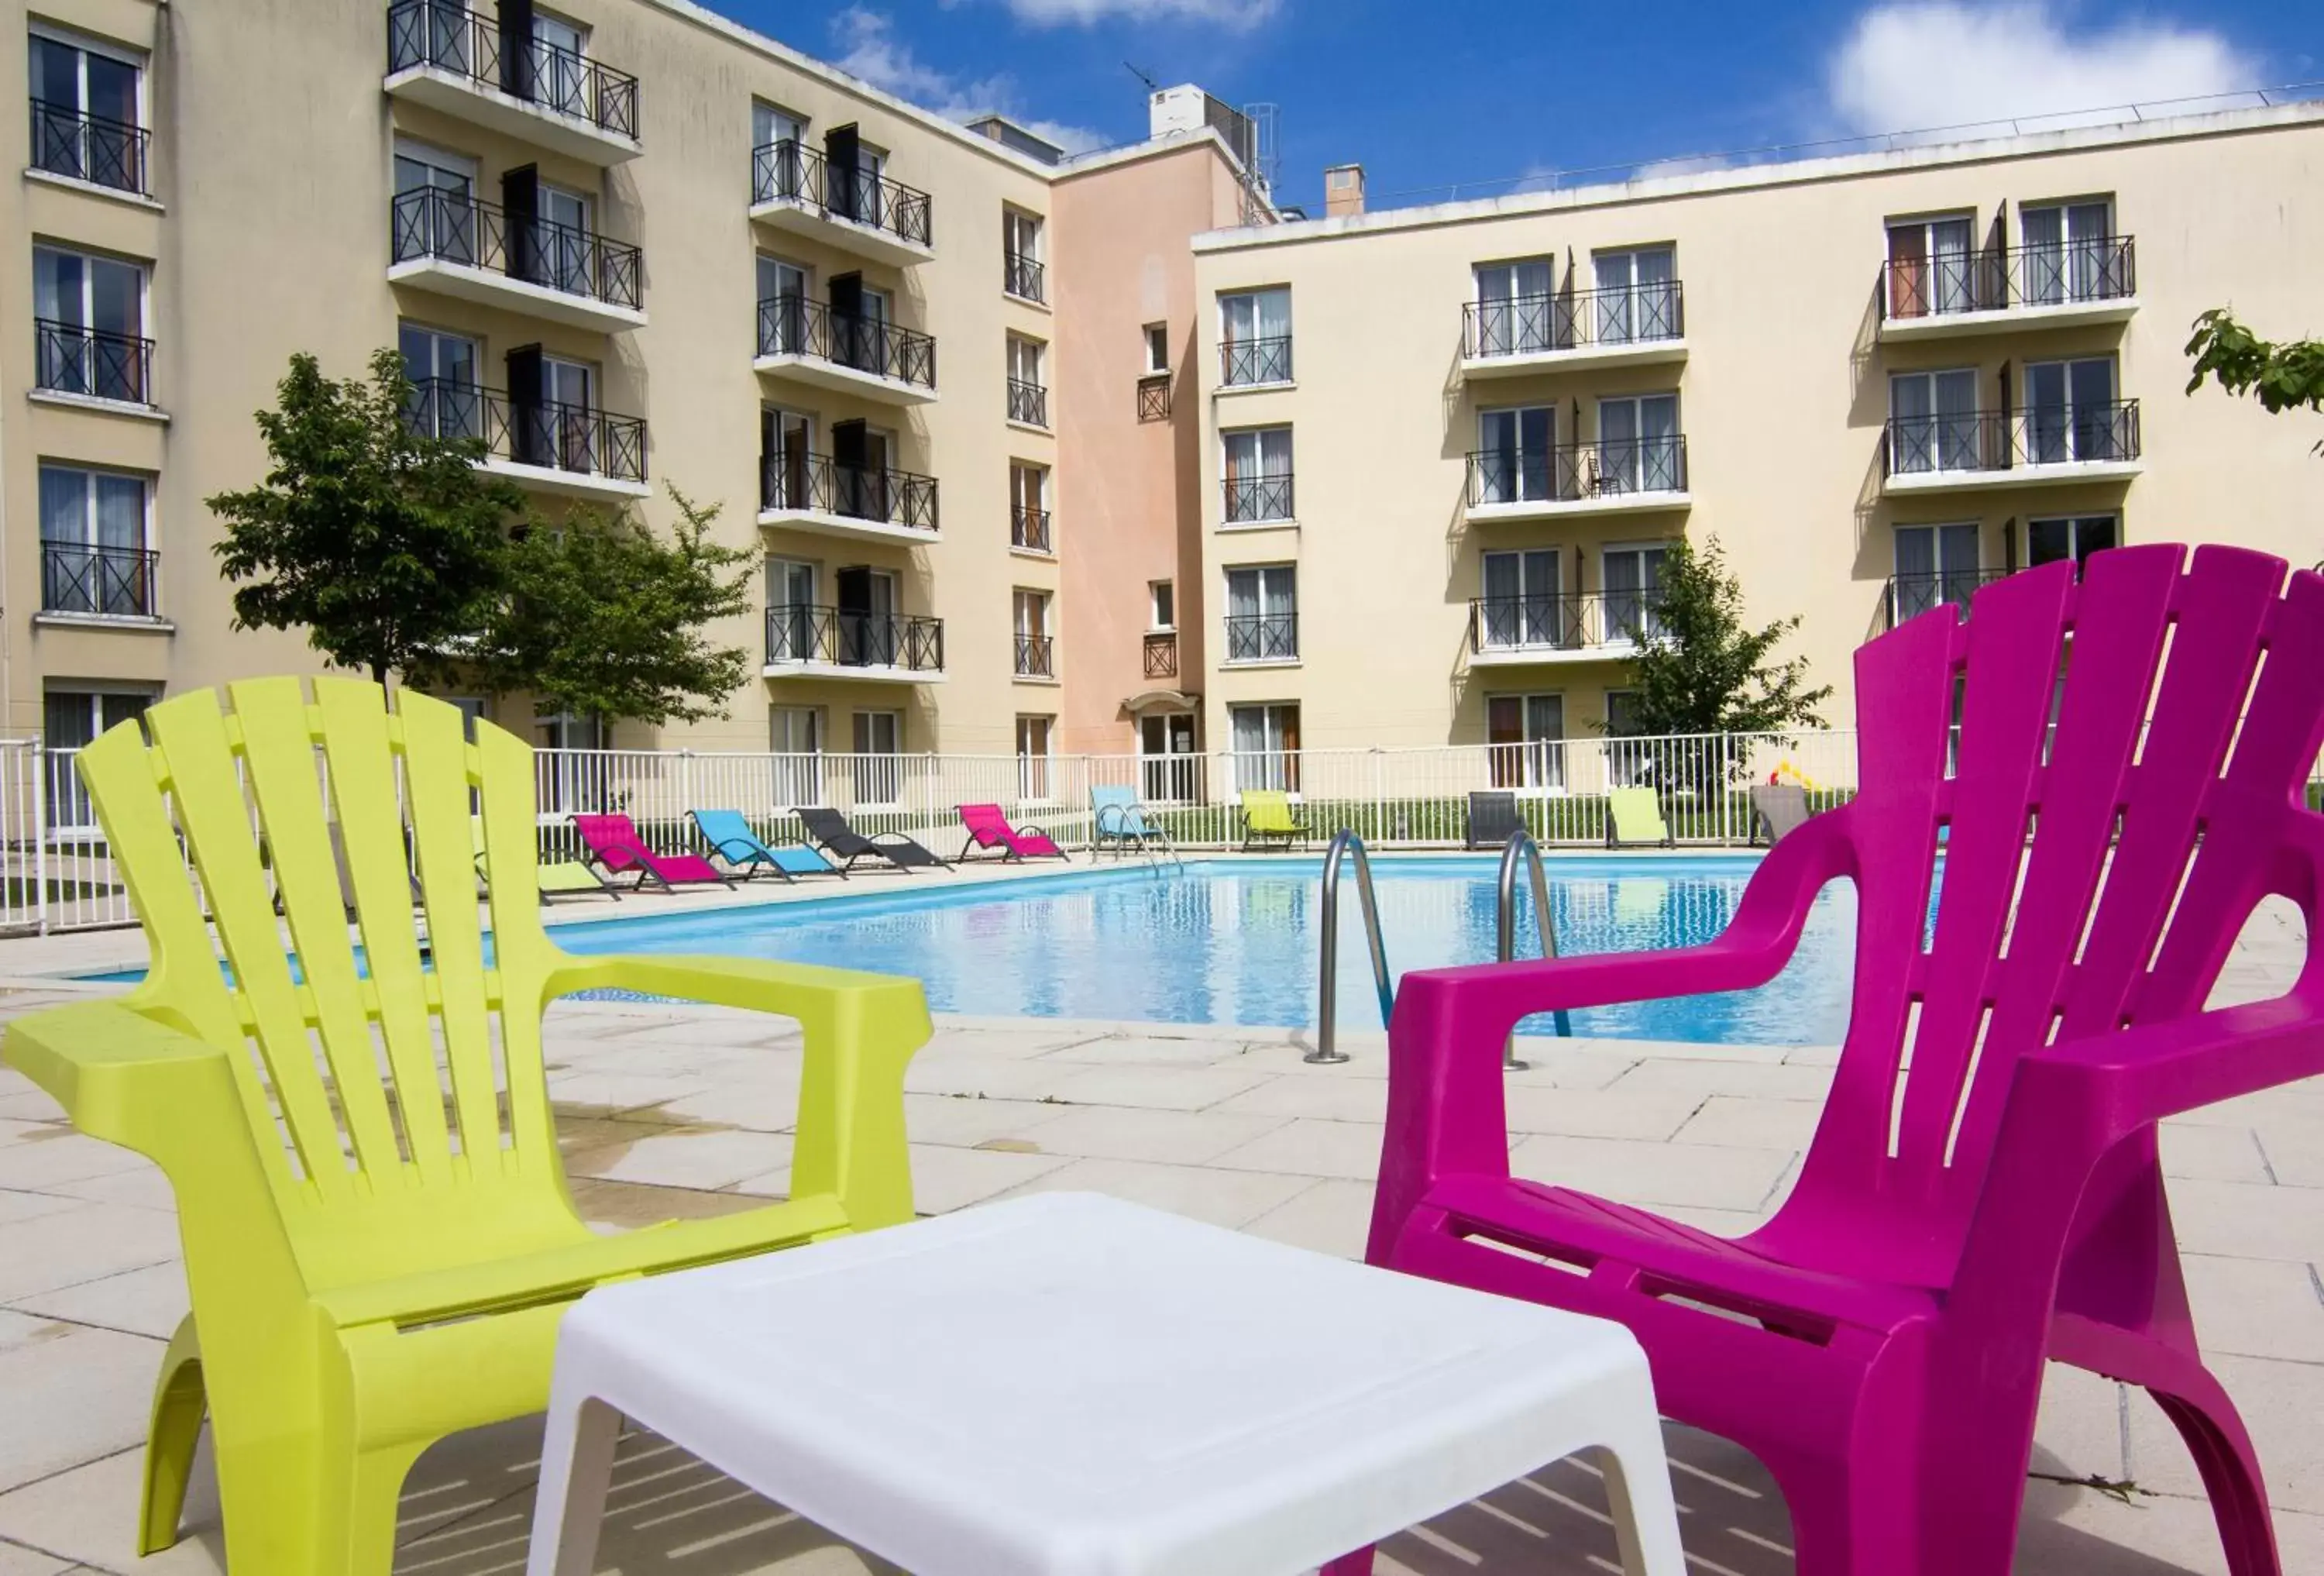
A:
(1878, 380)
(628, 245)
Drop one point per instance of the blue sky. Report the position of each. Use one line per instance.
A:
(1424, 95)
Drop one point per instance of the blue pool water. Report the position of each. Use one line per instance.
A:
(1236, 942)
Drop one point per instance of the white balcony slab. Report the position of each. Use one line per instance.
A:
(1909, 484)
(491, 288)
(795, 216)
(1541, 362)
(483, 104)
(567, 483)
(1596, 503)
(1536, 656)
(2009, 320)
(823, 522)
(847, 380)
(859, 672)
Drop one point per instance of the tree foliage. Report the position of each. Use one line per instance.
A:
(384, 542)
(603, 618)
(2289, 376)
(1704, 669)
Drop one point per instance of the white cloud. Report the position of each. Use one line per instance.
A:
(1238, 14)
(1921, 63)
(870, 49)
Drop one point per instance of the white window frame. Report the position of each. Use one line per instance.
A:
(2068, 295)
(776, 115)
(1541, 760)
(143, 269)
(1037, 773)
(1156, 591)
(136, 60)
(1261, 450)
(1149, 336)
(1027, 354)
(1273, 751)
(1606, 631)
(1228, 337)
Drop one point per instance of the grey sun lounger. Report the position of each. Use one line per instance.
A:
(828, 830)
(1493, 820)
(1776, 807)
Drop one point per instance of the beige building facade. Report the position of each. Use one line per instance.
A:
(1445, 449)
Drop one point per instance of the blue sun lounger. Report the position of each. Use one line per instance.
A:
(730, 837)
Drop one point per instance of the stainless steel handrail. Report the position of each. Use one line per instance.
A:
(1505, 926)
(1344, 843)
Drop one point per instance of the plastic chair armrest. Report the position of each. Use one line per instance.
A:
(2139, 1076)
(119, 1074)
(861, 1031)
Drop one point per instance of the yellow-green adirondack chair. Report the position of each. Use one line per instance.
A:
(379, 1255)
(1266, 818)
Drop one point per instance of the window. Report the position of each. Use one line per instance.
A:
(565, 250)
(1033, 757)
(1525, 735)
(1633, 578)
(1021, 268)
(560, 75)
(1169, 771)
(878, 742)
(1255, 337)
(1639, 449)
(1515, 312)
(1266, 746)
(2073, 416)
(1157, 348)
(87, 114)
(552, 413)
(1030, 617)
(92, 535)
(1161, 605)
(1933, 422)
(69, 720)
(1637, 295)
(1257, 479)
(2070, 253)
(1930, 269)
(1029, 397)
(1028, 511)
(434, 213)
(795, 734)
(1627, 765)
(778, 154)
(2077, 537)
(1263, 614)
(866, 628)
(89, 323)
(1521, 605)
(570, 781)
(446, 401)
(1513, 454)
(1935, 565)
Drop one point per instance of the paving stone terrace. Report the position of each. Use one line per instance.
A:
(668, 1112)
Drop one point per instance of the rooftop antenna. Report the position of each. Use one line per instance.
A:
(1145, 76)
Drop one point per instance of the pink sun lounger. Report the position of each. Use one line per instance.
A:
(989, 828)
(612, 845)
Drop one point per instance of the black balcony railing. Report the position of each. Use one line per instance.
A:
(447, 36)
(1576, 471)
(1637, 314)
(1028, 402)
(547, 433)
(1036, 656)
(2003, 440)
(71, 142)
(436, 223)
(791, 171)
(844, 636)
(1255, 360)
(1253, 497)
(792, 325)
(1162, 656)
(2006, 279)
(1154, 397)
(1910, 595)
(1262, 637)
(110, 581)
(1577, 622)
(817, 483)
(1028, 528)
(1024, 277)
(69, 359)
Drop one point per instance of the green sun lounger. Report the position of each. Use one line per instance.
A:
(1267, 821)
(1634, 818)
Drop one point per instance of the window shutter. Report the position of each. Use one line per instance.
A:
(842, 161)
(528, 422)
(516, 47)
(520, 209)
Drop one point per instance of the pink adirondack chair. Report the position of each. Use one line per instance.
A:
(988, 827)
(612, 844)
(1982, 1193)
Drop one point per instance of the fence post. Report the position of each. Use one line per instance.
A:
(41, 830)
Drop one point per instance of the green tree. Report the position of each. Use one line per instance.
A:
(2289, 376)
(1704, 669)
(603, 618)
(384, 542)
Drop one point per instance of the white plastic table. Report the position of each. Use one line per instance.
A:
(1065, 1385)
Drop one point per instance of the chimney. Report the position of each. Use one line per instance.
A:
(1343, 191)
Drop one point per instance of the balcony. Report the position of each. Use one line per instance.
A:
(804, 640)
(1162, 655)
(1255, 363)
(2046, 446)
(1036, 656)
(90, 364)
(807, 341)
(1626, 325)
(1910, 595)
(1029, 529)
(2009, 288)
(1028, 403)
(1585, 627)
(813, 492)
(1613, 476)
(81, 582)
(460, 64)
(458, 245)
(1257, 638)
(1024, 278)
(1257, 501)
(568, 450)
(73, 145)
(795, 190)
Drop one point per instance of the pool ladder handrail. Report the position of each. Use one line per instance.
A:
(1521, 846)
(1344, 843)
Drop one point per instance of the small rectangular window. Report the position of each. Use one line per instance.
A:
(1033, 746)
(1158, 347)
(1162, 605)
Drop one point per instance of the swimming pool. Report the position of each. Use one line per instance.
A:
(1235, 943)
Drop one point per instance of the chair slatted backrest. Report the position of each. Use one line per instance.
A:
(2103, 771)
(1118, 810)
(393, 1083)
